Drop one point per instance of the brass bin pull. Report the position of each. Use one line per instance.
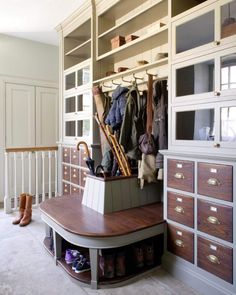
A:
(179, 175)
(179, 243)
(213, 182)
(213, 220)
(179, 209)
(213, 259)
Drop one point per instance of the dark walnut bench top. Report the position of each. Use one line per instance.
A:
(70, 214)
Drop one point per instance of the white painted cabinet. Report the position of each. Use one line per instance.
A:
(31, 115)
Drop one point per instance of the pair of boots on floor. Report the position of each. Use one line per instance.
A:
(25, 212)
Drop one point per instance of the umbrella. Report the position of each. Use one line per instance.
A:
(89, 161)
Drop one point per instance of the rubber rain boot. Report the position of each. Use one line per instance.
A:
(22, 202)
(28, 211)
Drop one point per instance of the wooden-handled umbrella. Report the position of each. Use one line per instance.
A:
(89, 161)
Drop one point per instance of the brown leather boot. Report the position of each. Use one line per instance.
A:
(21, 209)
(28, 211)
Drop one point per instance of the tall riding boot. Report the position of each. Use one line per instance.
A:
(28, 211)
(22, 202)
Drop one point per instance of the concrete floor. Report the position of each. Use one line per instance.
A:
(27, 269)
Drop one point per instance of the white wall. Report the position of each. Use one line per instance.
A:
(24, 59)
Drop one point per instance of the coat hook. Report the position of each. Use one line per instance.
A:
(127, 81)
(137, 78)
(115, 83)
(106, 86)
(154, 75)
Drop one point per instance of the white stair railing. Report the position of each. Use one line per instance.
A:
(32, 171)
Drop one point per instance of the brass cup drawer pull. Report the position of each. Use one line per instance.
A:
(179, 209)
(213, 220)
(213, 182)
(179, 175)
(179, 243)
(213, 259)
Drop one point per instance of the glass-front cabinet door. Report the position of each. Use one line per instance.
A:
(205, 29)
(205, 125)
(77, 78)
(211, 77)
(78, 116)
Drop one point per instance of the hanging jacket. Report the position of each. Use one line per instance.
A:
(116, 113)
(132, 126)
(160, 120)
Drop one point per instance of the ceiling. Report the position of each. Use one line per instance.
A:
(35, 19)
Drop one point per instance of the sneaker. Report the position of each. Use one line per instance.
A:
(75, 262)
(71, 255)
(82, 266)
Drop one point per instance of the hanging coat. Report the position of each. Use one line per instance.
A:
(160, 119)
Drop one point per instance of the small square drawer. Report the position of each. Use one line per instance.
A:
(180, 175)
(83, 175)
(75, 190)
(66, 155)
(75, 155)
(215, 258)
(83, 158)
(75, 175)
(66, 188)
(66, 172)
(180, 208)
(215, 181)
(215, 220)
(180, 242)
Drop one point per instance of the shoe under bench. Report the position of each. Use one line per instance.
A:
(84, 227)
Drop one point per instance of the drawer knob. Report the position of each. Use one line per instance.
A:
(213, 220)
(179, 175)
(179, 209)
(74, 156)
(213, 182)
(74, 175)
(213, 259)
(66, 191)
(65, 173)
(65, 155)
(179, 243)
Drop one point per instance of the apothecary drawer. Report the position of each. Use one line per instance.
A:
(66, 155)
(215, 258)
(75, 190)
(83, 175)
(66, 172)
(215, 181)
(66, 188)
(215, 219)
(180, 175)
(83, 158)
(75, 156)
(180, 208)
(75, 175)
(180, 242)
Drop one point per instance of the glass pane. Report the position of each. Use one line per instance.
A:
(196, 32)
(194, 79)
(83, 128)
(70, 105)
(228, 71)
(228, 124)
(228, 19)
(200, 125)
(70, 128)
(70, 81)
(83, 76)
(84, 102)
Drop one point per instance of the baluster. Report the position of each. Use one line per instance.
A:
(55, 153)
(7, 200)
(22, 173)
(43, 176)
(36, 179)
(15, 189)
(49, 174)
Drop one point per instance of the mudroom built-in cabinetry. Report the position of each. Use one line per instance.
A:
(192, 45)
